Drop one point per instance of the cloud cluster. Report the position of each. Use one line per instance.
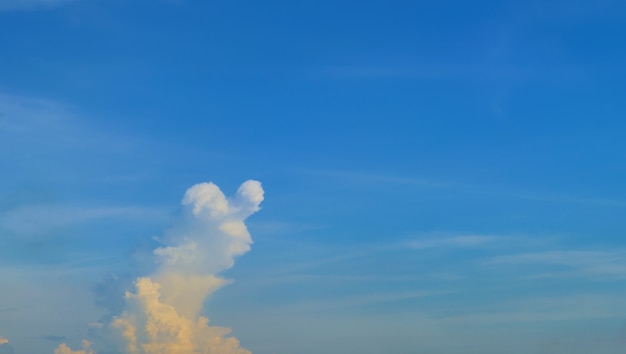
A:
(162, 313)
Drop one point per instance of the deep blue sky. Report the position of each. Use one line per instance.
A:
(440, 176)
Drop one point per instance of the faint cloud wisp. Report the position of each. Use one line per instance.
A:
(8, 5)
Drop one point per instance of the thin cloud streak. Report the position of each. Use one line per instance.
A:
(31, 5)
(35, 123)
(543, 309)
(366, 177)
(359, 301)
(42, 218)
(461, 241)
(591, 264)
(373, 178)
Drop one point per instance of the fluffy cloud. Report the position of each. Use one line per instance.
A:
(163, 313)
(150, 326)
(3, 341)
(206, 242)
(64, 349)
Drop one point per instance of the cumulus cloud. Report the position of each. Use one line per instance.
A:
(64, 349)
(204, 244)
(3, 341)
(162, 313)
(151, 326)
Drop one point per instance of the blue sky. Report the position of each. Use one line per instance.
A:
(440, 177)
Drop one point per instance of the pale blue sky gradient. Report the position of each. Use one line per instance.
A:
(441, 177)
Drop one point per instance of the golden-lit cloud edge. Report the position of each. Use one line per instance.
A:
(163, 312)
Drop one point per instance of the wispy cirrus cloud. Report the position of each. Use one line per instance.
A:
(451, 71)
(543, 309)
(571, 264)
(375, 178)
(372, 177)
(31, 123)
(360, 300)
(8, 5)
(460, 241)
(47, 140)
(40, 218)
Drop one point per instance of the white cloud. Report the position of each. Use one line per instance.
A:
(3, 341)
(163, 314)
